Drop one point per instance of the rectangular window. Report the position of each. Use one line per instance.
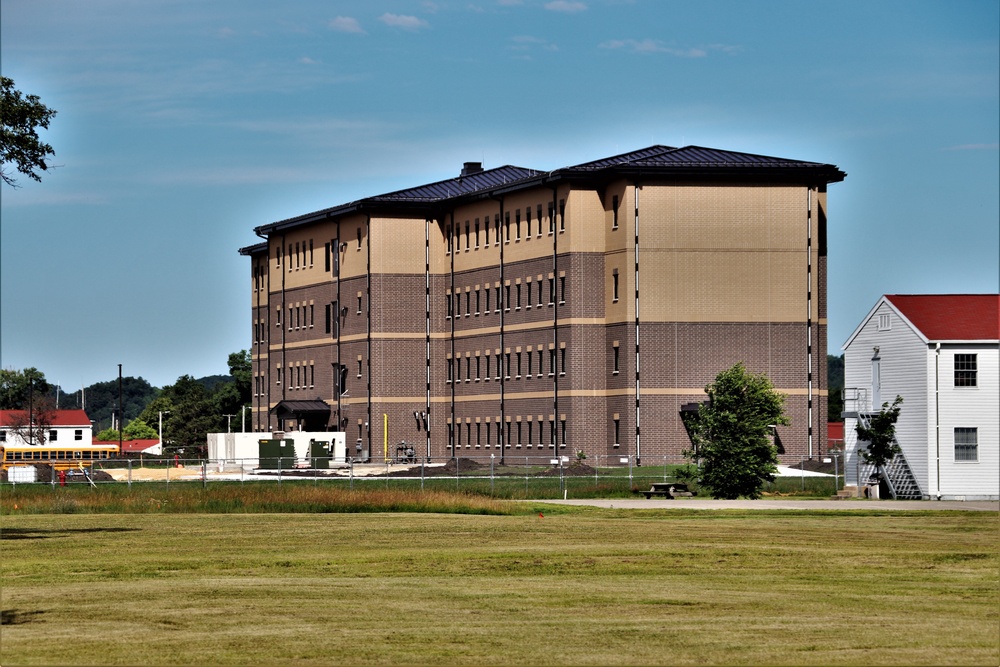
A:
(518, 302)
(451, 245)
(486, 229)
(517, 216)
(562, 289)
(527, 215)
(614, 213)
(496, 229)
(447, 306)
(519, 365)
(506, 358)
(529, 366)
(552, 219)
(614, 286)
(966, 444)
(528, 301)
(326, 265)
(552, 362)
(53, 436)
(359, 238)
(451, 370)
(468, 369)
(562, 215)
(78, 434)
(479, 368)
(478, 297)
(359, 368)
(477, 233)
(519, 427)
(531, 429)
(965, 370)
(359, 304)
(884, 323)
(617, 355)
(468, 236)
(468, 303)
(329, 319)
(562, 361)
(506, 227)
(540, 361)
(487, 291)
(618, 433)
(488, 364)
(552, 291)
(538, 212)
(506, 295)
(497, 305)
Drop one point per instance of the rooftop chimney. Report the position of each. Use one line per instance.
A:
(470, 168)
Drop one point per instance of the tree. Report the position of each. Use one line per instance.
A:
(18, 387)
(880, 434)
(137, 429)
(20, 117)
(835, 385)
(32, 424)
(731, 433)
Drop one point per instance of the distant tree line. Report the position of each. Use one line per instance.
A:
(191, 408)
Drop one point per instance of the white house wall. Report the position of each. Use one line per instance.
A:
(977, 407)
(904, 369)
(65, 436)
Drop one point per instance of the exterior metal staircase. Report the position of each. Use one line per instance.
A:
(897, 474)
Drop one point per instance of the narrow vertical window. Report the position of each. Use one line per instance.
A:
(614, 212)
(618, 433)
(326, 265)
(477, 233)
(562, 289)
(517, 227)
(506, 227)
(562, 361)
(518, 302)
(507, 365)
(552, 291)
(562, 215)
(616, 360)
(518, 365)
(614, 285)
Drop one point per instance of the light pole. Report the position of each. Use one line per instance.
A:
(229, 423)
(243, 416)
(162, 412)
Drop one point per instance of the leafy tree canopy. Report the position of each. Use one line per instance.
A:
(20, 117)
(16, 386)
(732, 432)
(880, 434)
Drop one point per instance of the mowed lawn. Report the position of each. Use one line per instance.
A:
(576, 586)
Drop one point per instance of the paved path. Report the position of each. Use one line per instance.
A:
(773, 504)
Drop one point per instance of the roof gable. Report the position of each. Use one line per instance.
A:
(951, 317)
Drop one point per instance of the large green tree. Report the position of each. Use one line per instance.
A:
(18, 386)
(732, 434)
(20, 117)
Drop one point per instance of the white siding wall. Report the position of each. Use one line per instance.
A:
(904, 367)
(977, 407)
(64, 436)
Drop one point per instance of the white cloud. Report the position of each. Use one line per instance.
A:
(347, 24)
(567, 6)
(656, 46)
(403, 21)
(524, 43)
(306, 60)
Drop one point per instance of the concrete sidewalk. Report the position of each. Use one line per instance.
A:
(781, 504)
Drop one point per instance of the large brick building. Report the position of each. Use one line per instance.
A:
(514, 311)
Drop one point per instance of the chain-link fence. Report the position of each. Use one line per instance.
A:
(505, 476)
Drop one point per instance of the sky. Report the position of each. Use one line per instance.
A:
(184, 124)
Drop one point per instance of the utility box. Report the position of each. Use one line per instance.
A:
(276, 454)
(319, 455)
(22, 474)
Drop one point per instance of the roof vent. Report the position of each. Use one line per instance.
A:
(470, 168)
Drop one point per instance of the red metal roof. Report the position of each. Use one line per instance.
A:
(131, 446)
(951, 316)
(59, 418)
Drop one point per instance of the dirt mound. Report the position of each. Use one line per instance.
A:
(572, 470)
(461, 465)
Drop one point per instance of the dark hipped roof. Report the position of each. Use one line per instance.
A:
(688, 162)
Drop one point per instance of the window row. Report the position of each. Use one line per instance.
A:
(507, 365)
(53, 434)
(518, 433)
(297, 377)
(479, 233)
(482, 301)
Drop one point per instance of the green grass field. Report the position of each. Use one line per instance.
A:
(575, 586)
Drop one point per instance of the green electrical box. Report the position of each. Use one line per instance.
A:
(276, 454)
(319, 455)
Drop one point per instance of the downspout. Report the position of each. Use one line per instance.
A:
(266, 373)
(454, 309)
(368, 333)
(340, 368)
(809, 326)
(937, 414)
(638, 452)
(427, 335)
(284, 324)
(557, 430)
(504, 435)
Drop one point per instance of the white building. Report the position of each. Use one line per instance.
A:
(941, 353)
(68, 427)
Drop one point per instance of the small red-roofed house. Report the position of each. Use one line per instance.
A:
(941, 353)
(146, 446)
(67, 427)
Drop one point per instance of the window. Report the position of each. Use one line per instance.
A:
(965, 370)
(488, 364)
(451, 370)
(496, 229)
(528, 375)
(359, 304)
(326, 265)
(468, 303)
(540, 361)
(506, 227)
(552, 291)
(527, 215)
(530, 432)
(538, 212)
(518, 365)
(477, 233)
(53, 436)
(487, 291)
(562, 289)
(517, 216)
(528, 302)
(614, 215)
(517, 305)
(478, 368)
(499, 366)
(359, 368)
(884, 323)
(486, 229)
(451, 245)
(562, 361)
(552, 362)
(359, 238)
(966, 444)
(614, 285)
(78, 434)
(506, 295)
(617, 356)
(448, 306)
(477, 301)
(618, 432)
(552, 219)
(496, 306)
(3, 436)
(519, 439)
(562, 215)
(468, 369)
(468, 236)
(507, 365)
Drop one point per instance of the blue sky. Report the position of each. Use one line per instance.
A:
(183, 124)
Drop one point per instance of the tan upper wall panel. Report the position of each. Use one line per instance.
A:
(397, 245)
(723, 286)
(691, 216)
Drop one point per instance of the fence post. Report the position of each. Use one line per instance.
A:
(802, 471)
(279, 469)
(204, 473)
(130, 474)
(492, 458)
(422, 462)
(352, 473)
(836, 475)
